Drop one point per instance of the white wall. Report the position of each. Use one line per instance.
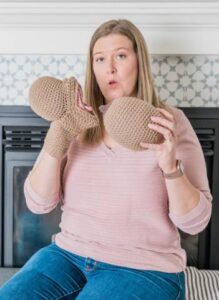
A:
(131, 1)
(169, 28)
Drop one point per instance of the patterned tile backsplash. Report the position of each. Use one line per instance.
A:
(180, 80)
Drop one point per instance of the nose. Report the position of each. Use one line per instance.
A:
(111, 66)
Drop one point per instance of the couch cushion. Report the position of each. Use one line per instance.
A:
(201, 284)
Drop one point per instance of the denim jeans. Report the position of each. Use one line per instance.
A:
(53, 273)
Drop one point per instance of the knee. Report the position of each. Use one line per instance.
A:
(19, 286)
(31, 284)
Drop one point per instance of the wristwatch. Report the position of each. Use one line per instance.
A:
(178, 173)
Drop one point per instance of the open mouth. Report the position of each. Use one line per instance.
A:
(112, 82)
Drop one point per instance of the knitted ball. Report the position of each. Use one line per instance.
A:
(126, 120)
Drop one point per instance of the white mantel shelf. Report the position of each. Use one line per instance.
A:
(66, 28)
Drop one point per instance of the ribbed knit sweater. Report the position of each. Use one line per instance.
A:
(115, 203)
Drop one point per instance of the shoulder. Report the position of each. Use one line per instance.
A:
(182, 122)
(177, 112)
(179, 116)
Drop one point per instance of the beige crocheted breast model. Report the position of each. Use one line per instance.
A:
(126, 120)
(47, 97)
(55, 99)
(58, 101)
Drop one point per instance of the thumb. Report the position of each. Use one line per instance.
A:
(103, 108)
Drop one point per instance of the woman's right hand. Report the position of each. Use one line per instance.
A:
(80, 102)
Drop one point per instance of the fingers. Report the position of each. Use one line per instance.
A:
(89, 109)
(80, 103)
(164, 122)
(167, 114)
(151, 146)
(86, 107)
(79, 96)
(166, 132)
(164, 125)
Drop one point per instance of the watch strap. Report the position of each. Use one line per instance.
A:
(178, 173)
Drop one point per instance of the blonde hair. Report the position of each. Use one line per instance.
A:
(145, 85)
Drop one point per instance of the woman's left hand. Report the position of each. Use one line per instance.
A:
(166, 151)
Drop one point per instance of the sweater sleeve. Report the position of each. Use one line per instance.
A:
(35, 202)
(189, 150)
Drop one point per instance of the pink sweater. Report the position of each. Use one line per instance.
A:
(115, 203)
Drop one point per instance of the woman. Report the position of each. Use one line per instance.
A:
(121, 209)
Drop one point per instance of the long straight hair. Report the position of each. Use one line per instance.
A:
(145, 86)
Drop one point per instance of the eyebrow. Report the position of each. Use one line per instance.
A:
(99, 52)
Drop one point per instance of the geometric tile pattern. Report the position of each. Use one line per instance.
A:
(180, 80)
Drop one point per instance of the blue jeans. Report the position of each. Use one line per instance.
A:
(53, 274)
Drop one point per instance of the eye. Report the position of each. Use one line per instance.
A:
(121, 56)
(99, 59)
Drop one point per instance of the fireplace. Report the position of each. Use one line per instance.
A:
(22, 233)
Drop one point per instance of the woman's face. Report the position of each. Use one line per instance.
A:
(115, 66)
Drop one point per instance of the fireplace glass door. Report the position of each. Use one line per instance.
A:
(24, 231)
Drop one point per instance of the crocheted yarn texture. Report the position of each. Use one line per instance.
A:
(126, 120)
(56, 100)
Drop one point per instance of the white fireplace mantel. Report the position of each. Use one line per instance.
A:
(66, 28)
